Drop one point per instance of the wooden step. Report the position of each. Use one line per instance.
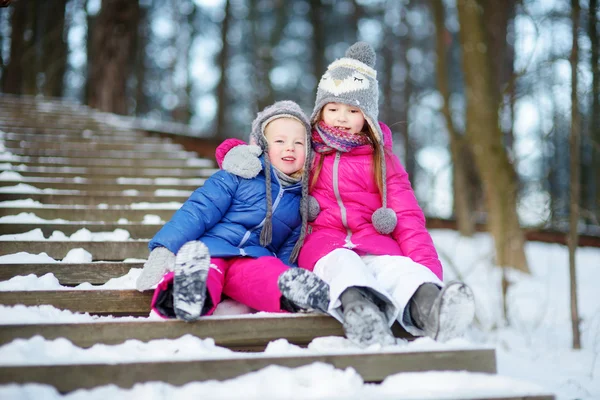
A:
(111, 173)
(95, 162)
(247, 332)
(93, 198)
(113, 154)
(72, 130)
(373, 367)
(101, 185)
(69, 274)
(85, 213)
(98, 302)
(136, 230)
(101, 251)
(79, 137)
(89, 146)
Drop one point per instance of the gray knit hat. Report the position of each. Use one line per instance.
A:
(352, 80)
(282, 109)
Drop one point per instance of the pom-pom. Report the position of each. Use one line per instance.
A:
(363, 52)
(384, 220)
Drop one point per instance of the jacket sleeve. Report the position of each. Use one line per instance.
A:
(200, 212)
(285, 251)
(410, 232)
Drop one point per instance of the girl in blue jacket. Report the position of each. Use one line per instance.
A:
(241, 237)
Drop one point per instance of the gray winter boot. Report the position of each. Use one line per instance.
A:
(364, 323)
(304, 290)
(189, 283)
(442, 314)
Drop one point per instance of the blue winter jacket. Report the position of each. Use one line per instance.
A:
(227, 214)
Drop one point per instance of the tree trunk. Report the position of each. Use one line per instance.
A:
(13, 75)
(54, 47)
(222, 102)
(485, 137)
(594, 198)
(403, 109)
(141, 99)
(113, 39)
(318, 39)
(463, 195)
(575, 183)
(30, 61)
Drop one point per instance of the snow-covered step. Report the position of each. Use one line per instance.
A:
(90, 145)
(108, 172)
(99, 302)
(373, 367)
(110, 214)
(101, 251)
(247, 332)
(79, 137)
(73, 130)
(111, 162)
(95, 198)
(135, 230)
(106, 185)
(116, 154)
(71, 274)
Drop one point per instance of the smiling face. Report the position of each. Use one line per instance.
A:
(344, 117)
(286, 138)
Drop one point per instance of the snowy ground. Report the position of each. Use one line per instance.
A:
(533, 351)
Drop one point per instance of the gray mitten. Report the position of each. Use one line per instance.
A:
(160, 261)
(243, 161)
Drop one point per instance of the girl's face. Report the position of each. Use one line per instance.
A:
(287, 144)
(344, 117)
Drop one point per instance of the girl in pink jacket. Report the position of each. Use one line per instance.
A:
(367, 235)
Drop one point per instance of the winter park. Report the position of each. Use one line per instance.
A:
(302, 199)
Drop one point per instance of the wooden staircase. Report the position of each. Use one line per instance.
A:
(82, 169)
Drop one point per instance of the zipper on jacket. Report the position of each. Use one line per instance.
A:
(348, 242)
(275, 204)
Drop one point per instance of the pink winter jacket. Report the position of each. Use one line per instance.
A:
(360, 197)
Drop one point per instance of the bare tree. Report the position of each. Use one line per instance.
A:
(463, 190)
(13, 75)
(113, 38)
(594, 198)
(575, 139)
(54, 47)
(222, 86)
(318, 38)
(485, 138)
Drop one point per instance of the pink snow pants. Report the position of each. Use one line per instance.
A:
(250, 281)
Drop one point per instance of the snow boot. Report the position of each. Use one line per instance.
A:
(442, 314)
(303, 290)
(364, 323)
(189, 284)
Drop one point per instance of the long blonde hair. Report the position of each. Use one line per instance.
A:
(375, 166)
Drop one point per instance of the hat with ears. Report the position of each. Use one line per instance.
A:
(352, 80)
(282, 109)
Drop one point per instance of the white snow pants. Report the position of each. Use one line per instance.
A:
(394, 279)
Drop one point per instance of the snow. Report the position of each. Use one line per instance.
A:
(533, 350)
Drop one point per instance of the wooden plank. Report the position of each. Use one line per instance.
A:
(106, 172)
(94, 198)
(90, 145)
(100, 302)
(114, 154)
(373, 367)
(136, 230)
(70, 184)
(125, 162)
(101, 251)
(247, 332)
(83, 213)
(71, 274)
(79, 136)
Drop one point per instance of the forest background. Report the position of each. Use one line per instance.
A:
(494, 105)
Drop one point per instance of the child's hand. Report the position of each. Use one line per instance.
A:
(160, 261)
(242, 160)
